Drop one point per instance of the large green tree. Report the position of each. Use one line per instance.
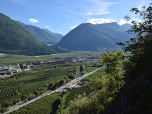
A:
(113, 70)
(140, 47)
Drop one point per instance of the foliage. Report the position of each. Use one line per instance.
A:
(112, 61)
(139, 65)
(71, 94)
(83, 69)
(94, 101)
(94, 85)
(140, 47)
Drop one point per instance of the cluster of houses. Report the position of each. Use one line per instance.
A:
(7, 71)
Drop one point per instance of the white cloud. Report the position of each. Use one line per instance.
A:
(122, 21)
(87, 7)
(33, 21)
(74, 26)
(47, 26)
(67, 22)
(89, 13)
(59, 32)
(99, 20)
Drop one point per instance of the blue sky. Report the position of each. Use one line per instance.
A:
(61, 16)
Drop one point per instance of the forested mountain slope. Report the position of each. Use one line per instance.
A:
(94, 37)
(17, 40)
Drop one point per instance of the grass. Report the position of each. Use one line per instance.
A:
(97, 74)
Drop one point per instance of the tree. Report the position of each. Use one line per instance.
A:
(82, 67)
(66, 79)
(140, 47)
(24, 97)
(75, 72)
(61, 82)
(51, 85)
(112, 61)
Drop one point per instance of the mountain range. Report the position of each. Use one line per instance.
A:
(95, 37)
(43, 36)
(19, 38)
(15, 39)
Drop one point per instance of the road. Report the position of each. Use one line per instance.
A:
(50, 92)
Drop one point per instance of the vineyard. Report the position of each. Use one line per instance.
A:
(46, 105)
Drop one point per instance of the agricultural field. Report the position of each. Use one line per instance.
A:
(46, 105)
(98, 74)
(10, 59)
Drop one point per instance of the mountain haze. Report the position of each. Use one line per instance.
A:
(17, 40)
(126, 26)
(56, 35)
(43, 36)
(89, 37)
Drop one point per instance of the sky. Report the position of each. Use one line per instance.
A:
(61, 16)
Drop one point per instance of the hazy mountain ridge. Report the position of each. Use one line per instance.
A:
(43, 36)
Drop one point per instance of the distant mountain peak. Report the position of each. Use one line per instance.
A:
(56, 35)
(94, 37)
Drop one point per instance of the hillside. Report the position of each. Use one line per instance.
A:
(17, 40)
(43, 36)
(56, 35)
(94, 37)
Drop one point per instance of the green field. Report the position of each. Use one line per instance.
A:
(9, 59)
(97, 74)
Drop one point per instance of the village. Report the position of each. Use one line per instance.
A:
(10, 70)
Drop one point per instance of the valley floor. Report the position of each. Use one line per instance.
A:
(12, 108)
